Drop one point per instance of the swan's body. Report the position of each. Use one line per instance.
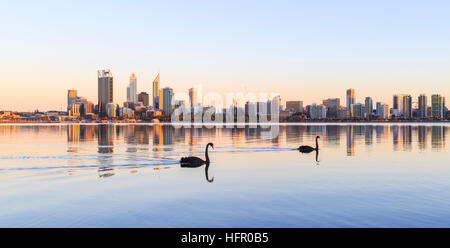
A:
(308, 149)
(196, 161)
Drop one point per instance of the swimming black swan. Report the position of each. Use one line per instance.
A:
(308, 149)
(195, 161)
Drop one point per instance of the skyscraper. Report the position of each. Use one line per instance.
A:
(143, 97)
(437, 106)
(161, 99)
(350, 98)
(368, 107)
(132, 90)
(105, 90)
(193, 97)
(71, 98)
(407, 106)
(333, 107)
(167, 100)
(294, 106)
(423, 108)
(396, 105)
(156, 92)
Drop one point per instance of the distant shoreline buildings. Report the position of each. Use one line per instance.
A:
(140, 107)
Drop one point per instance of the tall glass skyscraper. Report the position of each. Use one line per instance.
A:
(423, 108)
(407, 106)
(156, 92)
(105, 91)
(132, 90)
(167, 102)
(437, 106)
(368, 107)
(350, 101)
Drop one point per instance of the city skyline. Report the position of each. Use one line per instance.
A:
(268, 47)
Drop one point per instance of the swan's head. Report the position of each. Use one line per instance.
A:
(318, 137)
(211, 144)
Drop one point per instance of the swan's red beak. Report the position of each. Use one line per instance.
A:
(212, 146)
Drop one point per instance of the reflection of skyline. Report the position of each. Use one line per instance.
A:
(403, 137)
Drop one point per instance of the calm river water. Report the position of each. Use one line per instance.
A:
(129, 176)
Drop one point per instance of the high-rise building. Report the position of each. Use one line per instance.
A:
(423, 107)
(385, 113)
(318, 111)
(167, 100)
(333, 105)
(382, 110)
(437, 106)
(161, 99)
(132, 89)
(156, 92)
(396, 105)
(407, 109)
(71, 98)
(357, 110)
(368, 106)
(111, 110)
(144, 98)
(105, 90)
(193, 97)
(350, 98)
(294, 106)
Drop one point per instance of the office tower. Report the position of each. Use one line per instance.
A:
(350, 98)
(423, 108)
(132, 90)
(111, 110)
(144, 98)
(89, 108)
(193, 97)
(385, 113)
(318, 111)
(156, 92)
(379, 111)
(167, 100)
(333, 107)
(368, 106)
(437, 106)
(357, 110)
(396, 105)
(407, 106)
(294, 106)
(71, 98)
(105, 90)
(161, 99)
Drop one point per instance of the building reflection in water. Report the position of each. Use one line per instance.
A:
(350, 141)
(106, 136)
(422, 136)
(138, 138)
(368, 135)
(73, 138)
(438, 137)
(406, 137)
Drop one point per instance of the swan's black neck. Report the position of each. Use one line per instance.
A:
(317, 143)
(206, 153)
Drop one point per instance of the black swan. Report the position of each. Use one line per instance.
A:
(308, 149)
(195, 161)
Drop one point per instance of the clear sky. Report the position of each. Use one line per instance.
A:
(305, 50)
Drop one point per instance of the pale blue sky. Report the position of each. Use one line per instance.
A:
(305, 50)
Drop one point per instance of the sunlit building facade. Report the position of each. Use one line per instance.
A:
(105, 91)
